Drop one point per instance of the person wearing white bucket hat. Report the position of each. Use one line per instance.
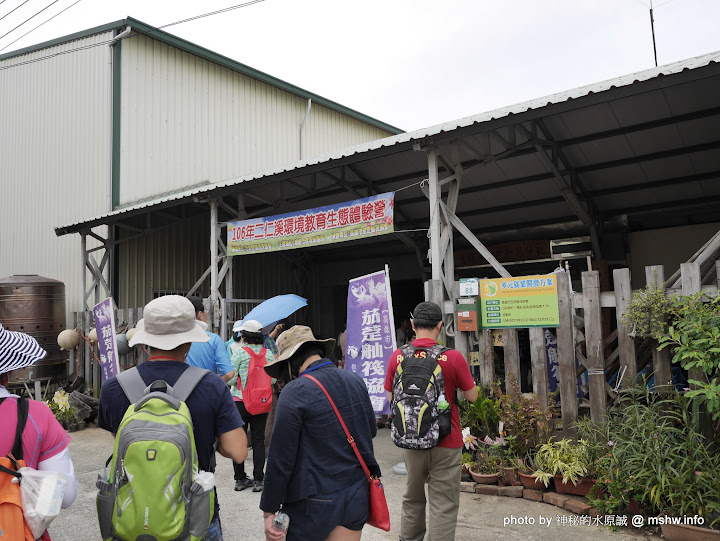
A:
(44, 442)
(169, 328)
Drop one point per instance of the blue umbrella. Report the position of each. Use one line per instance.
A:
(275, 309)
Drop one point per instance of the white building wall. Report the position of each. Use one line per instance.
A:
(54, 137)
(186, 121)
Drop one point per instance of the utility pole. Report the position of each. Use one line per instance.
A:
(652, 28)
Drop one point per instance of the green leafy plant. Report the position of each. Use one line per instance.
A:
(564, 457)
(480, 416)
(525, 423)
(487, 461)
(660, 458)
(61, 408)
(694, 337)
(647, 312)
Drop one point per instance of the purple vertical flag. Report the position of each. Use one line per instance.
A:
(105, 328)
(370, 334)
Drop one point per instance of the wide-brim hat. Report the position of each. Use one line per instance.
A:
(18, 350)
(167, 323)
(289, 343)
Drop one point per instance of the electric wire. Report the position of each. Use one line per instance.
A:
(38, 26)
(213, 13)
(26, 20)
(9, 12)
(110, 41)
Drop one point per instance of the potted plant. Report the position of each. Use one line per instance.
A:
(565, 461)
(525, 473)
(468, 460)
(486, 469)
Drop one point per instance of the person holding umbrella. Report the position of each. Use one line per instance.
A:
(251, 388)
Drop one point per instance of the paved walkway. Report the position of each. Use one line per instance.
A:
(481, 518)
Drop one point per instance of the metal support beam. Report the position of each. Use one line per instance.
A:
(214, 283)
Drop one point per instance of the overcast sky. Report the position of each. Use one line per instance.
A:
(412, 63)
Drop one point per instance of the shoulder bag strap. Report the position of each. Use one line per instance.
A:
(22, 415)
(132, 384)
(437, 350)
(350, 439)
(187, 382)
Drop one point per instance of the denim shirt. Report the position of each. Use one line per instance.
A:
(309, 452)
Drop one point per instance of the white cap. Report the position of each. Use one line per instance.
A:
(250, 326)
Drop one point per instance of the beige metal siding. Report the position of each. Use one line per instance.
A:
(186, 121)
(175, 258)
(53, 157)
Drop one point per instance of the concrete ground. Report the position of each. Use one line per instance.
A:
(480, 518)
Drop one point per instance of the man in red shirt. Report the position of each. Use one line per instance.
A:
(442, 463)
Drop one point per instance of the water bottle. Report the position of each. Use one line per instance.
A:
(281, 521)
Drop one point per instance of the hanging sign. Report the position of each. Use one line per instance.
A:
(370, 334)
(352, 220)
(526, 301)
(105, 328)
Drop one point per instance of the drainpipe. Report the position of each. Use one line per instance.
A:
(117, 38)
(302, 130)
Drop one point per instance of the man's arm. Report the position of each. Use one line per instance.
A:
(472, 393)
(233, 445)
(222, 361)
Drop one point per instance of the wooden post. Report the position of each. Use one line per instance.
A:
(487, 357)
(538, 360)
(566, 357)
(512, 357)
(655, 275)
(626, 344)
(594, 345)
(690, 280)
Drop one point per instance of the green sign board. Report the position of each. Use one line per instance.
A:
(525, 301)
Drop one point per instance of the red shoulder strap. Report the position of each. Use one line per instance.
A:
(350, 439)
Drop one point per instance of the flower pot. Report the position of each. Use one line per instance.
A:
(530, 481)
(581, 489)
(687, 532)
(511, 476)
(485, 478)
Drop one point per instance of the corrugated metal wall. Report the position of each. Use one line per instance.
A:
(174, 259)
(186, 121)
(54, 132)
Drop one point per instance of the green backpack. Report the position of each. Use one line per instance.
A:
(149, 494)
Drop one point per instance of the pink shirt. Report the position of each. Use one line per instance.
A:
(43, 436)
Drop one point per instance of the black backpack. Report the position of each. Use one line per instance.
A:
(421, 413)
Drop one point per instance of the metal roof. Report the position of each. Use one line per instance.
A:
(140, 27)
(634, 146)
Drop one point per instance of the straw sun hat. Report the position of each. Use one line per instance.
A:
(289, 343)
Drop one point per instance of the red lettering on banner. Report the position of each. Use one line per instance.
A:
(310, 225)
(379, 208)
(332, 218)
(300, 224)
(260, 231)
(367, 212)
(279, 228)
(321, 219)
(355, 214)
(290, 225)
(343, 216)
